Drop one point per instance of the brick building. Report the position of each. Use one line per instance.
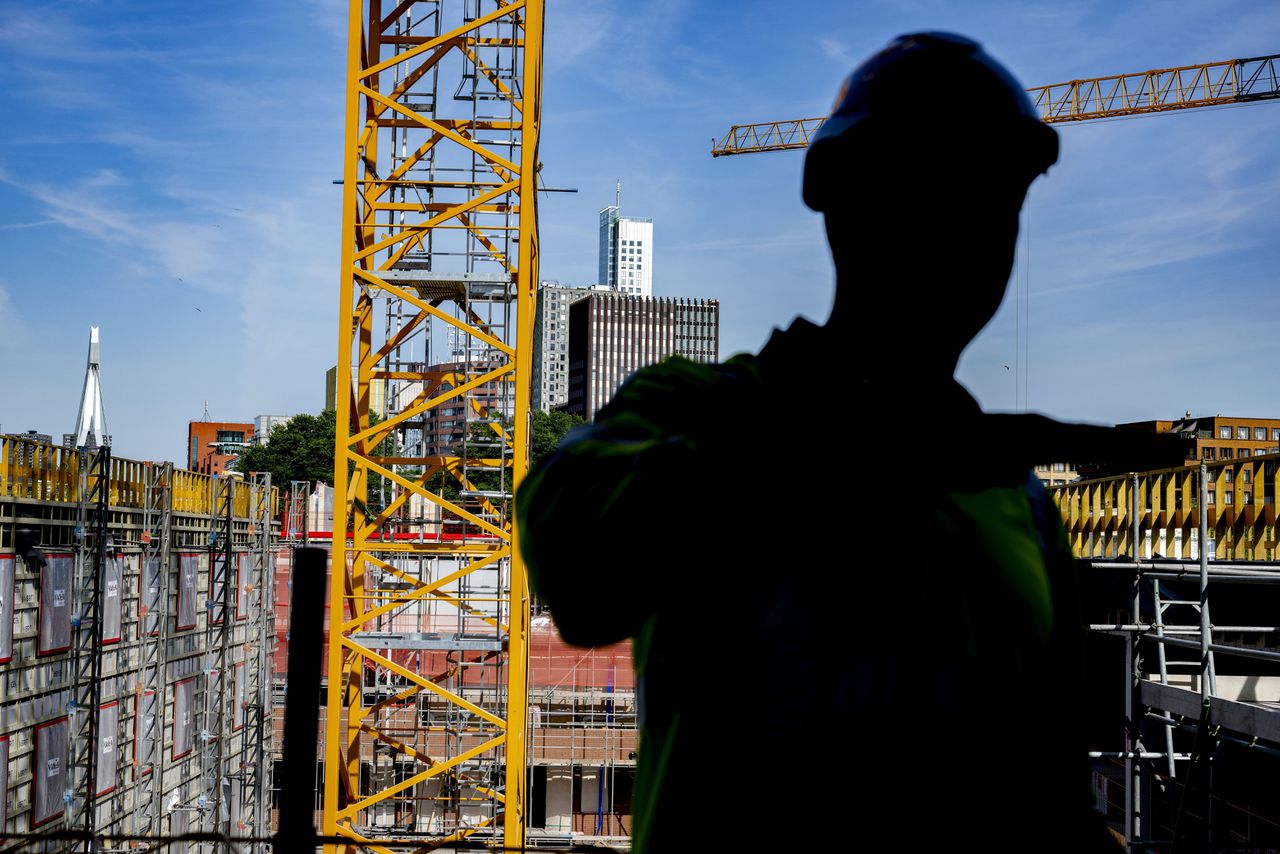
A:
(1220, 437)
(211, 445)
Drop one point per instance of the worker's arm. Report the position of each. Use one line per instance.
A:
(605, 521)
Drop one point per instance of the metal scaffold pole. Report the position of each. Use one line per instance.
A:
(94, 552)
(1133, 658)
(220, 612)
(251, 704)
(154, 627)
(424, 735)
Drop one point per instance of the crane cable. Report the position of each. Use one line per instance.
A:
(1022, 318)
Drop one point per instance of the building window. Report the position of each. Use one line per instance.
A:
(1224, 432)
(1242, 432)
(1210, 495)
(1042, 467)
(1059, 466)
(1260, 434)
(1246, 475)
(1228, 475)
(1225, 453)
(1246, 498)
(1208, 452)
(1275, 434)
(1228, 498)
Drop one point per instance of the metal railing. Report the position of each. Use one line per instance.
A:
(52, 473)
(1125, 519)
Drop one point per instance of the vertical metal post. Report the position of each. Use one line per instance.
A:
(335, 747)
(255, 768)
(1206, 672)
(222, 732)
(1132, 765)
(87, 657)
(153, 630)
(526, 306)
(1135, 534)
(1129, 786)
(1162, 660)
(218, 619)
(1207, 686)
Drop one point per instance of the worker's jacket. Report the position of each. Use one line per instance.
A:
(853, 606)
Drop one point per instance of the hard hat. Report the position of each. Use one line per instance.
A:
(934, 94)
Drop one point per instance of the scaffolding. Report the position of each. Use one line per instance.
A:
(84, 708)
(252, 697)
(424, 739)
(154, 614)
(582, 740)
(1173, 536)
(103, 645)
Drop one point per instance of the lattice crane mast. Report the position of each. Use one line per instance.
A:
(1235, 81)
(426, 710)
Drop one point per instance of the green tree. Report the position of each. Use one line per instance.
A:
(546, 431)
(301, 449)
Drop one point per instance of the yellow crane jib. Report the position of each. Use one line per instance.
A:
(1234, 81)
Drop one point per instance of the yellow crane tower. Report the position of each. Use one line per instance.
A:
(1235, 81)
(424, 728)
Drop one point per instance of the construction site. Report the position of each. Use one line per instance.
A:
(145, 608)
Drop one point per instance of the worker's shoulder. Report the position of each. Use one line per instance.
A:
(681, 382)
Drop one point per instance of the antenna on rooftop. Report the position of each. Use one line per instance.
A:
(617, 194)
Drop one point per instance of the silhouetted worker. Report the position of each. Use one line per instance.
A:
(852, 602)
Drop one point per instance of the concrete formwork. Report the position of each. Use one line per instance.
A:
(169, 728)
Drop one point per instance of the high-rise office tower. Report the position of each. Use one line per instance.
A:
(551, 343)
(626, 252)
(611, 336)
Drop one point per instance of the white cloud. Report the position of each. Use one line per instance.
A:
(771, 240)
(580, 29)
(98, 206)
(837, 50)
(11, 226)
(331, 16)
(13, 331)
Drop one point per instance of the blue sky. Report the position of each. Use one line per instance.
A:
(166, 173)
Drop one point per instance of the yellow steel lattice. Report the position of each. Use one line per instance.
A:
(1210, 84)
(439, 236)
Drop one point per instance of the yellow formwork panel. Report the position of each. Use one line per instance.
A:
(1240, 498)
(37, 471)
(51, 473)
